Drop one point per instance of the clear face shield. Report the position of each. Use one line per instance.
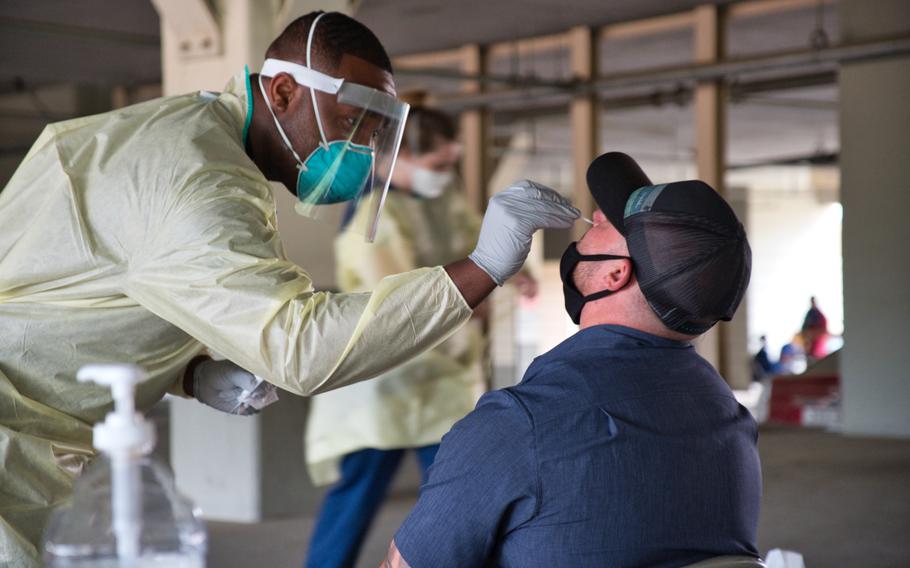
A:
(357, 149)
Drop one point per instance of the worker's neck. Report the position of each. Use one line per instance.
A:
(256, 139)
(260, 142)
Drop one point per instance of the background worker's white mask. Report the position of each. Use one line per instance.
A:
(429, 184)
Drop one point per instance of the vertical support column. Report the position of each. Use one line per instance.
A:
(737, 368)
(875, 361)
(710, 127)
(474, 126)
(583, 116)
(120, 97)
(709, 142)
(185, 71)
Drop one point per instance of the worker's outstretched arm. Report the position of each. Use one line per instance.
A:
(216, 269)
(473, 283)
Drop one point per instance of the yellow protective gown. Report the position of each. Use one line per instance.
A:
(415, 404)
(142, 235)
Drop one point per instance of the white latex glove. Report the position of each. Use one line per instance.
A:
(222, 385)
(511, 219)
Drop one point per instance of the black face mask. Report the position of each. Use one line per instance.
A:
(575, 301)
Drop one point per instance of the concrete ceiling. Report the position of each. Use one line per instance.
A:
(88, 42)
(409, 26)
(117, 41)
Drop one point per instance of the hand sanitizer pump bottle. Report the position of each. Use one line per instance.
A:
(125, 511)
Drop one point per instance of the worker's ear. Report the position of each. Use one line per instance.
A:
(282, 90)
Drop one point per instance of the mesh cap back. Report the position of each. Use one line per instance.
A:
(692, 272)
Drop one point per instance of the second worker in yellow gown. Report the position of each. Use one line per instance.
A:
(357, 436)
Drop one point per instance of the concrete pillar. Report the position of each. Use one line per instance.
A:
(475, 126)
(584, 116)
(709, 137)
(737, 370)
(237, 468)
(875, 138)
(725, 345)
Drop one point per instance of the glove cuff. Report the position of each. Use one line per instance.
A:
(477, 259)
(189, 375)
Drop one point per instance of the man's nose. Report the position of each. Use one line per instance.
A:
(599, 217)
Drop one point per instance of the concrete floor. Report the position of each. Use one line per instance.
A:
(841, 502)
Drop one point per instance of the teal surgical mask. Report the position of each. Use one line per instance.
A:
(334, 172)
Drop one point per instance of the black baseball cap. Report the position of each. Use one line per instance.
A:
(691, 255)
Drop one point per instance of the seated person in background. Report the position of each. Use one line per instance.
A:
(814, 332)
(762, 367)
(621, 447)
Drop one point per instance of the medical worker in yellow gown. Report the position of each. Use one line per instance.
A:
(147, 234)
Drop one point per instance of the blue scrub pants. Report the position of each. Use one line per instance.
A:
(351, 504)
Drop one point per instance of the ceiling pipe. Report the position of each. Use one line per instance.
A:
(804, 62)
(678, 95)
(485, 78)
(814, 60)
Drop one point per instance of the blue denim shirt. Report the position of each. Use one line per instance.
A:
(618, 448)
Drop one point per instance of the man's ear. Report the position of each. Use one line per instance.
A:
(282, 90)
(619, 275)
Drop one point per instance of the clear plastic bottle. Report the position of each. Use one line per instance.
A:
(125, 511)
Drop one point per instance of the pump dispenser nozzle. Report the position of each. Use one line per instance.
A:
(124, 430)
(125, 436)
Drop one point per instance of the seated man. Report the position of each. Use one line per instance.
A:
(621, 446)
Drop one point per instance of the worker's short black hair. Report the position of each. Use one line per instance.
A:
(336, 34)
(426, 128)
